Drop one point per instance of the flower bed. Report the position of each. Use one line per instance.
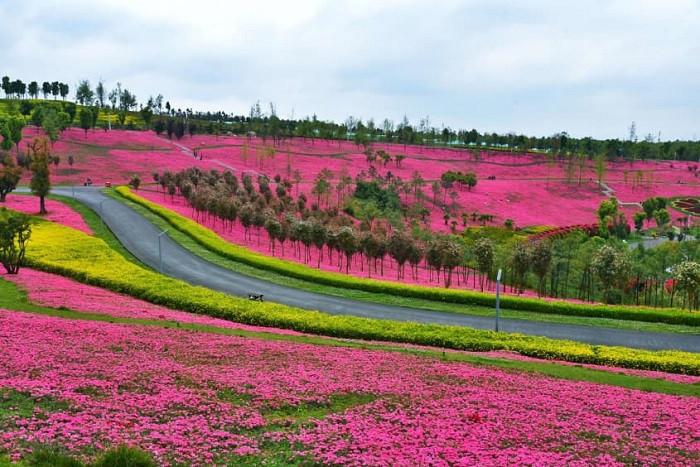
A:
(203, 399)
(687, 205)
(58, 249)
(57, 211)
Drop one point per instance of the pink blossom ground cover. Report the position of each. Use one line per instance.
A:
(54, 291)
(527, 189)
(172, 392)
(57, 212)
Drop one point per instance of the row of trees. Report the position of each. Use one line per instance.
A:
(18, 89)
(269, 124)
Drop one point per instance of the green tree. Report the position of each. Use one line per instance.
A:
(541, 258)
(15, 231)
(600, 168)
(51, 123)
(34, 89)
(100, 94)
(483, 252)
(348, 243)
(687, 276)
(85, 119)
(662, 217)
(41, 160)
(84, 94)
(10, 175)
(135, 182)
(639, 220)
(520, 262)
(399, 248)
(611, 267)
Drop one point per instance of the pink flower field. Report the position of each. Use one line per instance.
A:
(526, 188)
(57, 211)
(203, 398)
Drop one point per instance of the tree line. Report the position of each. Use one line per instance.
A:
(268, 124)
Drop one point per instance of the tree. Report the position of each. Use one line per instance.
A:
(607, 214)
(10, 175)
(483, 252)
(63, 90)
(520, 262)
(85, 119)
(46, 89)
(100, 94)
(15, 231)
(34, 89)
(399, 248)
(51, 123)
(662, 217)
(41, 160)
(347, 242)
(452, 254)
(135, 182)
(541, 259)
(687, 276)
(639, 220)
(84, 94)
(6, 86)
(611, 266)
(600, 168)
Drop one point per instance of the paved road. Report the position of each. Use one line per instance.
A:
(140, 237)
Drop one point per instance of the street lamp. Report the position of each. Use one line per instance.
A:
(498, 299)
(102, 212)
(160, 251)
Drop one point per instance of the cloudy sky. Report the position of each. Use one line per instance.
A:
(536, 67)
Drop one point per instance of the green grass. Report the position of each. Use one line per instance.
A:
(389, 299)
(12, 298)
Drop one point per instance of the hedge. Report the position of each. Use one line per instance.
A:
(62, 250)
(211, 241)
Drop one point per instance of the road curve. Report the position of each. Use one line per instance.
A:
(140, 237)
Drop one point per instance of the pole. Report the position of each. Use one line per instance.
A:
(498, 299)
(160, 251)
(102, 212)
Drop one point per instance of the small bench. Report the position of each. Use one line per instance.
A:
(258, 297)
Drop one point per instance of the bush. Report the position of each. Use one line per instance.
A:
(125, 456)
(59, 249)
(213, 242)
(50, 456)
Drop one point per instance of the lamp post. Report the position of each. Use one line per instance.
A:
(160, 251)
(102, 212)
(498, 299)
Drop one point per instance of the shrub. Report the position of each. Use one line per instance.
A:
(125, 456)
(50, 456)
(213, 242)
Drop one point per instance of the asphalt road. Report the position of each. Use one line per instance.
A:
(140, 237)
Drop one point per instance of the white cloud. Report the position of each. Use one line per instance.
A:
(589, 67)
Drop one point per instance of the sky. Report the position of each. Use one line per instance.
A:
(535, 67)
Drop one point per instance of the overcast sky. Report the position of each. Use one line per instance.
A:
(535, 67)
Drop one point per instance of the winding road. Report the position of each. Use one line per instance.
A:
(140, 237)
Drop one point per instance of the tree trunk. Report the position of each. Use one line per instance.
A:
(42, 205)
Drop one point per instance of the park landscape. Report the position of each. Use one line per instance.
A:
(111, 358)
